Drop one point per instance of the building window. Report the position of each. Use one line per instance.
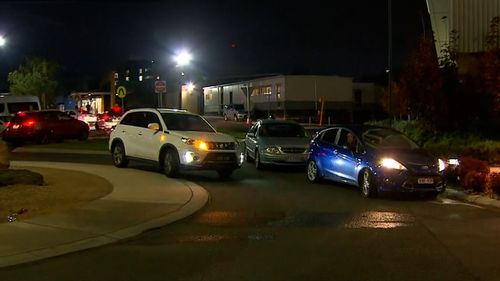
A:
(116, 75)
(127, 72)
(255, 92)
(209, 97)
(140, 77)
(265, 90)
(127, 78)
(140, 70)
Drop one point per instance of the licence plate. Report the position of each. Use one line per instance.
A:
(425, 181)
(295, 159)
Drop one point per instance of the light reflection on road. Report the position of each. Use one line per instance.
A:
(384, 220)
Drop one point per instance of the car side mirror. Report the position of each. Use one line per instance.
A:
(154, 126)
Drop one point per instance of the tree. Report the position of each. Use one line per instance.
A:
(37, 77)
(419, 88)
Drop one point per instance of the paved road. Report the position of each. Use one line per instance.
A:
(274, 225)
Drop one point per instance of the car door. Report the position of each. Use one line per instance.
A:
(150, 139)
(251, 140)
(327, 153)
(65, 128)
(348, 160)
(128, 131)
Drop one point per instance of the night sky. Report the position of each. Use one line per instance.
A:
(227, 38)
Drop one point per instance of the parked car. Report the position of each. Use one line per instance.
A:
(106, 121)
(234, 112)
(376, 159)
(277, 142)
(175, 140)
(44, 126)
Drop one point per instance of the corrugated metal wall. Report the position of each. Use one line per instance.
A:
(471, 18)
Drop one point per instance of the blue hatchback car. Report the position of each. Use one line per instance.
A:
(377, 159)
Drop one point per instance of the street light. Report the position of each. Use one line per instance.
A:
(190, 87)
(2, 41)
(183, 58)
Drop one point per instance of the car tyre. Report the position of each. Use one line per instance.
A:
(313, 172)
(171, 164)
(367, 184)
(83, 135)
(249, 158)
(258, 164)
(44, 138)
(120, 159)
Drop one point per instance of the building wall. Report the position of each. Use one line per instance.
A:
(470, 18)
(284, 96)
(311, 88)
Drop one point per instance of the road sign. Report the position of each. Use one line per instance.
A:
(160, 86)
(121, 92)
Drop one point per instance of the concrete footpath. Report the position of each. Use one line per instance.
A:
(140, 201)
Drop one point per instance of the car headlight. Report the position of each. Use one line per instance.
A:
(188, 141)
(273, 150)
(442, 165)
(390, 163)
(199, 144)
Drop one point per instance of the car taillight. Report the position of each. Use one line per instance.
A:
(6, 124)
(29, 123)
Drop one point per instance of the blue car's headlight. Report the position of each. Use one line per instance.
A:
(441, 165)
(390, 163)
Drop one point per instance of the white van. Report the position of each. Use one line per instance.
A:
(10, 105)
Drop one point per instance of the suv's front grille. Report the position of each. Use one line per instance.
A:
(293, 150)
(221, 145)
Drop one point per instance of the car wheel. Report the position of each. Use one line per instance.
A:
(258, 164)
(248, 157)
(225, 173)
(119, 158)
(368, 188)
(171, 164)
(313, 172)
(83, 135)
(44, 138)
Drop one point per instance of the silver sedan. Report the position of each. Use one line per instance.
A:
(276, 142)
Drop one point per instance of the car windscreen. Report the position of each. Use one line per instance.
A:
(186, 122)
(387, 139)
(282, 130)
(238, 106)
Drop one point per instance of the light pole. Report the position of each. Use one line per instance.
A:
(182, 59)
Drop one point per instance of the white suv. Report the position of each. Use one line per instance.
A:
(175, 139)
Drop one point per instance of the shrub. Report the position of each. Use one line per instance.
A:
(473, 173)
(493, 183)
(475, 181)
